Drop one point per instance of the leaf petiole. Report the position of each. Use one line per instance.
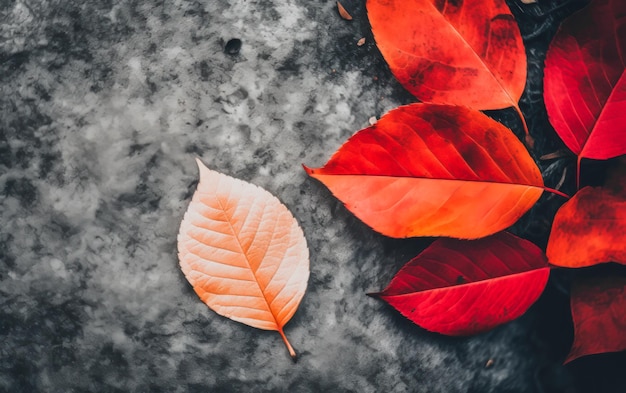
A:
(557, 192)
(292, 352)
(528, 139)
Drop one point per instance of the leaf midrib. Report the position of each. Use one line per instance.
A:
(467, 284)
(604, 105)
(542, 187)
(245, 254)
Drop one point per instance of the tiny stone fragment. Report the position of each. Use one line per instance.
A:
(489, 363)
(372, 120)
(232, 47)
(361, 42)
(342, 12)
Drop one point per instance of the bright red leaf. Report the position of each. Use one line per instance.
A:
(585, 80)
(599, 314)
(452, 52)
(589, 229)
(434, 170)
(461, 287)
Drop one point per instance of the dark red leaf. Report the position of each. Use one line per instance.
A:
(461, 287)
(585, 80)
(599, 313)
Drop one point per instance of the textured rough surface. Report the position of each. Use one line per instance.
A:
(103, 107)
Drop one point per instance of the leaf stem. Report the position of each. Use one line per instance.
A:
(289, 347)
(557, 192)
(530, 141)
(521, 115)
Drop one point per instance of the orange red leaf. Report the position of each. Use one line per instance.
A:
(243, 252)
(589, 229)
(434, 170)
(464, 287)
(452, 52)
(599, 314)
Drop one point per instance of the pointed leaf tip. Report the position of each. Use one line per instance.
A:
(203, 170)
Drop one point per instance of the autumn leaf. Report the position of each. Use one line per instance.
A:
(585, 81)
(464, 287)
(434, 170)
(243, 252)
(599, 314)
(452, 52)
(589, 229)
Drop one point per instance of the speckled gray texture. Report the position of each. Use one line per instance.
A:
(103, 107)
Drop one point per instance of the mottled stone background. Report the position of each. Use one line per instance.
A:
(103, 107)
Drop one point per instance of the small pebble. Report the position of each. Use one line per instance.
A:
(232, 47)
